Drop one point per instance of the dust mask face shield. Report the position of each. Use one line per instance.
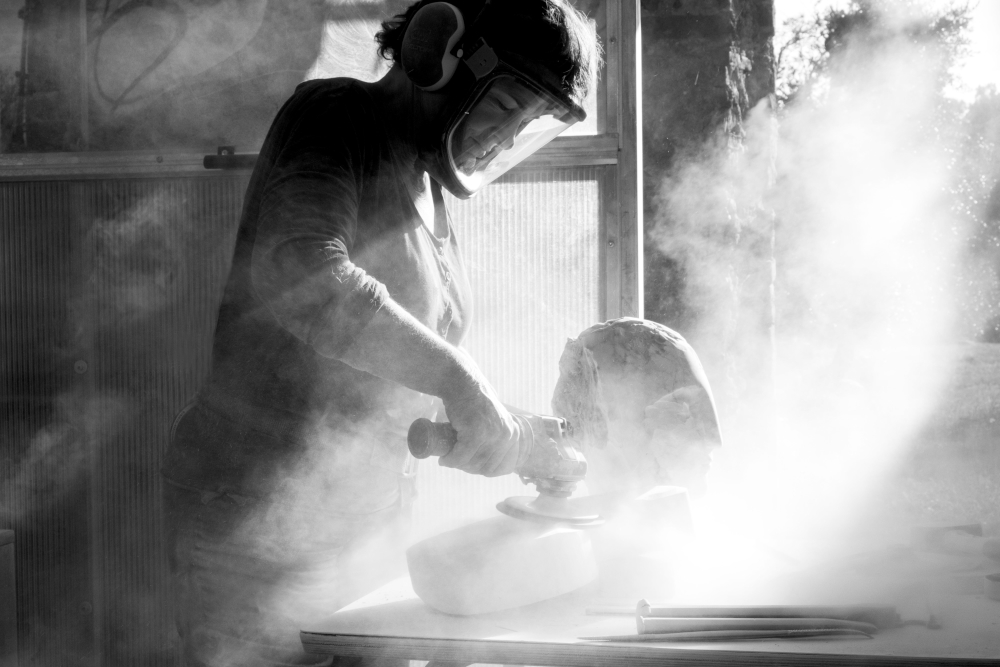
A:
(507, 117)
(502, 114)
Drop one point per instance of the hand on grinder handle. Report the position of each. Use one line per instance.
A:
(485, 438)
(547, 455)
(426, 438)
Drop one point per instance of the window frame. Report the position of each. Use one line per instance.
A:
(617, 147)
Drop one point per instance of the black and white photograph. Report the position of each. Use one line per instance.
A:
(439, 333)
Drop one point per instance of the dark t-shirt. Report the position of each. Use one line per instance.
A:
(328, 228)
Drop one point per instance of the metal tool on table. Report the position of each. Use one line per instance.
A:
(656, 623)
(548, 458)
(881, 616)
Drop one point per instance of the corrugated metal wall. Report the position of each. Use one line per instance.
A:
(531, 246)
(158, 252)
(109, 290)
(45, 488)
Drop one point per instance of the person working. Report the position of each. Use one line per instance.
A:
(288, 481)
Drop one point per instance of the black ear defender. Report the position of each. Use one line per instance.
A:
(436, 40)
(427, 52)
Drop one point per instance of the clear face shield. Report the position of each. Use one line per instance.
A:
(506, 121)
(507, 117)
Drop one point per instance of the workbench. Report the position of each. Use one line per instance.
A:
(393, 622)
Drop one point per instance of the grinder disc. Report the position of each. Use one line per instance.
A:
(548, 509)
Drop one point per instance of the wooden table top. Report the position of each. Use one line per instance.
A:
(394, 622)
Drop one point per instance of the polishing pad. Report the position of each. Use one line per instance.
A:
(547, 509)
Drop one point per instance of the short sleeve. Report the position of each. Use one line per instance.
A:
(307, 225)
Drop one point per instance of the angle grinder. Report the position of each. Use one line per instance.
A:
(547, 458)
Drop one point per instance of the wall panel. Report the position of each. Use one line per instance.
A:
(111, 299)
(160, 251)
(532, 246)
(44, 485)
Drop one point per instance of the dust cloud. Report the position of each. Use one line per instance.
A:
(866, 247)
(55, 461)
(851, 194)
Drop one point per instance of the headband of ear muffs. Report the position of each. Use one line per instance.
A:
(430, 38)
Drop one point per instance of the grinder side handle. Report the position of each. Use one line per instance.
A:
(426, 438)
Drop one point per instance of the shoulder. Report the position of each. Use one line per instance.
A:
(338, 88)
(325, 119)
(320, 97)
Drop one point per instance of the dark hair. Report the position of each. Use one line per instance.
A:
(552, 33)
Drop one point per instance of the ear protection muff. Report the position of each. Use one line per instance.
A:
(430, 37)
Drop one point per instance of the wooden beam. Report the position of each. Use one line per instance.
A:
(630, 160)
(574, 151)
(623, 197)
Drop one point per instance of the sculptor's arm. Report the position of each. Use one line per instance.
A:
(302, 272)
(396, 346)
(344, 314)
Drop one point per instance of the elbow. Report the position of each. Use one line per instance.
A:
(325, 309)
